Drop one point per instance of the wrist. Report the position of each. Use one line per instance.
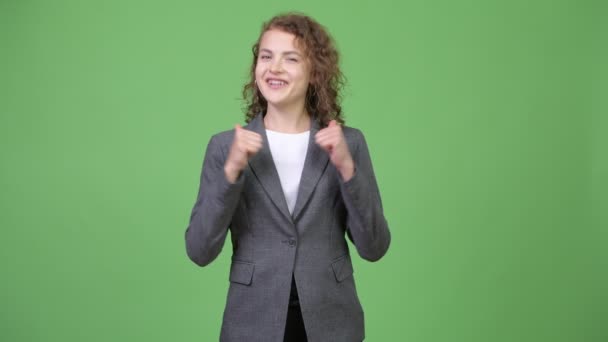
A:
(347, 170)
(231, 172)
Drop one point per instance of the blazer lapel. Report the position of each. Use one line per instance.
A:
(314, 166)
(264, 169)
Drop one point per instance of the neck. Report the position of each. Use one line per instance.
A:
(287, 120)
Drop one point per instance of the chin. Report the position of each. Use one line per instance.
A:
(276, 104)
(275, 100)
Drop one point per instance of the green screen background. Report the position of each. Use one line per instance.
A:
(486, 121)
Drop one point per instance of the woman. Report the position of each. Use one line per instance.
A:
(290, 185)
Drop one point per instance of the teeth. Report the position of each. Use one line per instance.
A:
(276, 83)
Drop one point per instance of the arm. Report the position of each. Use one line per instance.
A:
(215, 204)
(366, 224)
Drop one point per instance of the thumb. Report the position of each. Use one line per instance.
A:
(237, 127)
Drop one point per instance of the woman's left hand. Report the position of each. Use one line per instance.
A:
(332, 140)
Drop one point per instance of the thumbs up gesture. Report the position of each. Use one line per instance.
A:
(244, 145)
(331, 139)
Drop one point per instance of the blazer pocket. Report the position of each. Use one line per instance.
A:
(241, 272)
(342, 267)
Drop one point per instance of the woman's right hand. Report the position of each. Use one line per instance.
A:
(244, 145)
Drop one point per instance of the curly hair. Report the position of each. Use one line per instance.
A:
(323, 95)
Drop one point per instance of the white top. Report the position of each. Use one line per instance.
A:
(289, 152)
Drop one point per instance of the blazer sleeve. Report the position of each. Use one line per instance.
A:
(214, 207)
(366, 224)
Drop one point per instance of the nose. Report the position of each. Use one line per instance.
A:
(276, 66)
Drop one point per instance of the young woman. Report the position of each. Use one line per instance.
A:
(290, 186)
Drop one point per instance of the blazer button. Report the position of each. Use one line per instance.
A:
(292, 242)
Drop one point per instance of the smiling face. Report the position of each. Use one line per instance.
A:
(282, 71)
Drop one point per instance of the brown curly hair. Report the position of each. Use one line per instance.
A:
(326, 80)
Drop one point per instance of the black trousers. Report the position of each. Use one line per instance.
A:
(294, 327)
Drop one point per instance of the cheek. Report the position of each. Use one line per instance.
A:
(258, 72)
(304, 75)
(304, 80)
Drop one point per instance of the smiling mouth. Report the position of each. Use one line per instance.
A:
(276, 84)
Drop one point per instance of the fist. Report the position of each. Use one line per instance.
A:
(331, 139)
(244, 145)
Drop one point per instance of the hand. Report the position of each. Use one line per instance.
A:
(244, 145)
(332, 140)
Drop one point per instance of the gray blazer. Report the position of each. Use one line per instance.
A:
(269, 244)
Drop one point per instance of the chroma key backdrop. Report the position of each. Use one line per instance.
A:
(487, 123)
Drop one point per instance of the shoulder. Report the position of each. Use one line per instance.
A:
(354, 136)
(219, 144)
(222, 139)
(352, 132)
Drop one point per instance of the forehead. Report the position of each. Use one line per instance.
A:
(279, 41)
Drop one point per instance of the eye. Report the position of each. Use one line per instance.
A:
(265, 57)
(295, 60)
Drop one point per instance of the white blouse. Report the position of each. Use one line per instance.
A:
(288, 153)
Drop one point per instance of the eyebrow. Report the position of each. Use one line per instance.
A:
(284, 53)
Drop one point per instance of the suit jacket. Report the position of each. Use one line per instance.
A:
(269, 244)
